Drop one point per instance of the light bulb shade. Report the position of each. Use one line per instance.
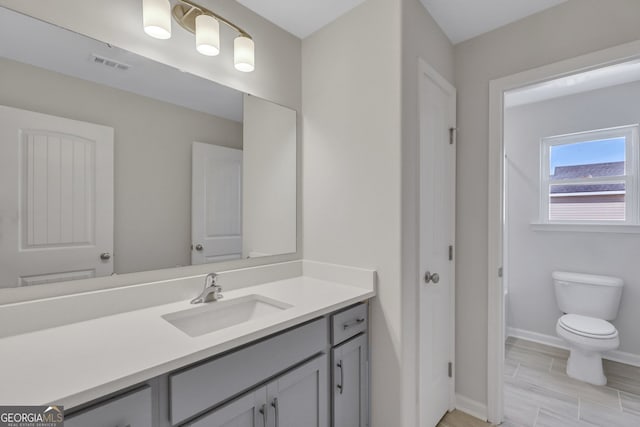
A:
(156, 16)
(207, 35)
(243, 54)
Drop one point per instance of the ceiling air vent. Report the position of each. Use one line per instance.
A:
(108, 62)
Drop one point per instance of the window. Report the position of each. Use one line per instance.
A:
(590, 177)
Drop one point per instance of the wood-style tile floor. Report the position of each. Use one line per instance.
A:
(460, 419)
(538, 392)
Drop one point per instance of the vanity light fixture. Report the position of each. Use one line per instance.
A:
(156, 17)
(202, 22)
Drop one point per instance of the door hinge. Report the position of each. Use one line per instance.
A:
(500, 272)
(452, 135)
(450, 370)
(450, 252)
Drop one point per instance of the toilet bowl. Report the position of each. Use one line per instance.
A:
(588, 338)
(587, 302)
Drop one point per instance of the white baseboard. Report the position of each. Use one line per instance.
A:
(553, 341)
(550, 340)
(471, 407)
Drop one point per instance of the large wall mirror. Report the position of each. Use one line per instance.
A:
(111, 163)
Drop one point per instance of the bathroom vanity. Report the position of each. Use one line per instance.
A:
(294, 352)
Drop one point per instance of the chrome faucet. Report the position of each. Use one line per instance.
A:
(211, 291)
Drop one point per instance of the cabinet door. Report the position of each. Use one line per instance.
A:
(300, 397)
(249, 410)
(350, 383)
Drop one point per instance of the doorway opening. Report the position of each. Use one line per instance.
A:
(563, 196)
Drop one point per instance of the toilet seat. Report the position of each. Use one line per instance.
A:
(588, 327)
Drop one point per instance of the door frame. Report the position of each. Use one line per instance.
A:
(496, 316)
(425, 69)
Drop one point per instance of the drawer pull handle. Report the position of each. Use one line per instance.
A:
(341, 385)
(264, 414)
(275, 407)
(353, 323)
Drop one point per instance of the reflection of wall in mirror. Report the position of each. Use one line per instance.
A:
(152, 157)
(269, 179)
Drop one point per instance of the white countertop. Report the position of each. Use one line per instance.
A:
(78, 362)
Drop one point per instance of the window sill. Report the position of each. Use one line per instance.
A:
(588, 228)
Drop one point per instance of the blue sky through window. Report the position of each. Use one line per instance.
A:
(586, 153)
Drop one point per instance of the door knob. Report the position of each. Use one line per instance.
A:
(428, 277)
(105, 256)
(199, 247)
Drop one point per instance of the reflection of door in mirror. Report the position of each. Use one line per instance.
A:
(56, 221)
(216, 213)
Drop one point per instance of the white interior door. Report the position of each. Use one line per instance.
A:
(56, 198)
(437, 228)
(216, 203)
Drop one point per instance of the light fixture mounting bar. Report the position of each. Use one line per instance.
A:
(186, 12)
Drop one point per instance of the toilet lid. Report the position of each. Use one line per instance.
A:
(587, 326)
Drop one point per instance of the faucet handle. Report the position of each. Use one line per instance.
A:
(211, 283)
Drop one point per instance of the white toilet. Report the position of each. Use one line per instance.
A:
(588, 301)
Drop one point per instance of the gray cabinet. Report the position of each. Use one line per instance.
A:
(296, 399)
(129, 410)
(249, 410)
(300, 397)
(349, 323)
(196, 389)
(349, 368)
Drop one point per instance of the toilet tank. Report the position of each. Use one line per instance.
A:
(588, 295)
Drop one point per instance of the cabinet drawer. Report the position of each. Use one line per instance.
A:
(199, 388)
(130, 410)
(348, 323)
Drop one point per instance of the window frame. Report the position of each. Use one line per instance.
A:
(630, 177)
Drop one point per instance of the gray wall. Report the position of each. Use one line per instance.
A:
(421, 38)
(152, 162)
(534, 255)
(360, 177)
(351, 171)
(571, 29)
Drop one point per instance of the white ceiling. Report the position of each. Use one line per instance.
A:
(600, 78)
(301, 17)
(465, 19)
(459, 19)
(21, 39)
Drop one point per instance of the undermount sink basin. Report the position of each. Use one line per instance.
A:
(216, 315)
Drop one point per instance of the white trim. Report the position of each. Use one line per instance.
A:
(495, 291)
(553, 341)
(425, 69)
(537, 337)
(623, 357)
(588, 228)
(471, 407)
(497, 88)
(588, 193)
